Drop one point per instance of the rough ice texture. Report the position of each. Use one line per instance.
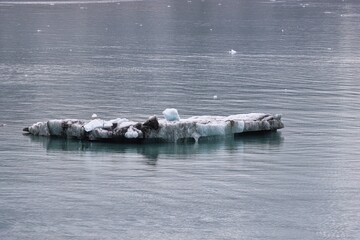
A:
(123, 130)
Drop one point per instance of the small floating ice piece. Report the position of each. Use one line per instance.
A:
(215, 97)
(232, 52)
(171, 114)
(94, 116)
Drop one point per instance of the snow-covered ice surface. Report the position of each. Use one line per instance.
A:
(170, 129)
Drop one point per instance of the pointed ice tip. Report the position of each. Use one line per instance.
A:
(94, 115)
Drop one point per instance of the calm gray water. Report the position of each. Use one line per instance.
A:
(69, 59)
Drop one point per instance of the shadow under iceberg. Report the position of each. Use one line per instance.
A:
(153, 150)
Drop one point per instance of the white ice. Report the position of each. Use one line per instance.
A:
(201, 126)
(232, 51)
(132, 132)
(169, 129)
(99, 123)
(171, 114)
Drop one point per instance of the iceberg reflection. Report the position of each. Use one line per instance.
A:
(243, 142)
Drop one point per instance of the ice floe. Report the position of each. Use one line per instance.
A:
(169, 129)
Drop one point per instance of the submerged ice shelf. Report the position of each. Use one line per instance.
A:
(170, 129)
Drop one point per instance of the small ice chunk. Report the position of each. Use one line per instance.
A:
(96, 123)
(93, 124)
(215, 97)
(171, 114)
(131, 133)
(94, 116)
(232, 51)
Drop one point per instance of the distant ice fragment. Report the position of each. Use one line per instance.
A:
(215, 97)
(94, 116)
(232, 51)
(171, 114)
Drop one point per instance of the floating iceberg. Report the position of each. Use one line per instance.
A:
(170, 129)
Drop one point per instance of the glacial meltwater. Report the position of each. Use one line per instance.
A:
(133, 59)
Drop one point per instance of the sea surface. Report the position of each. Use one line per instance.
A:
(133, 59)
